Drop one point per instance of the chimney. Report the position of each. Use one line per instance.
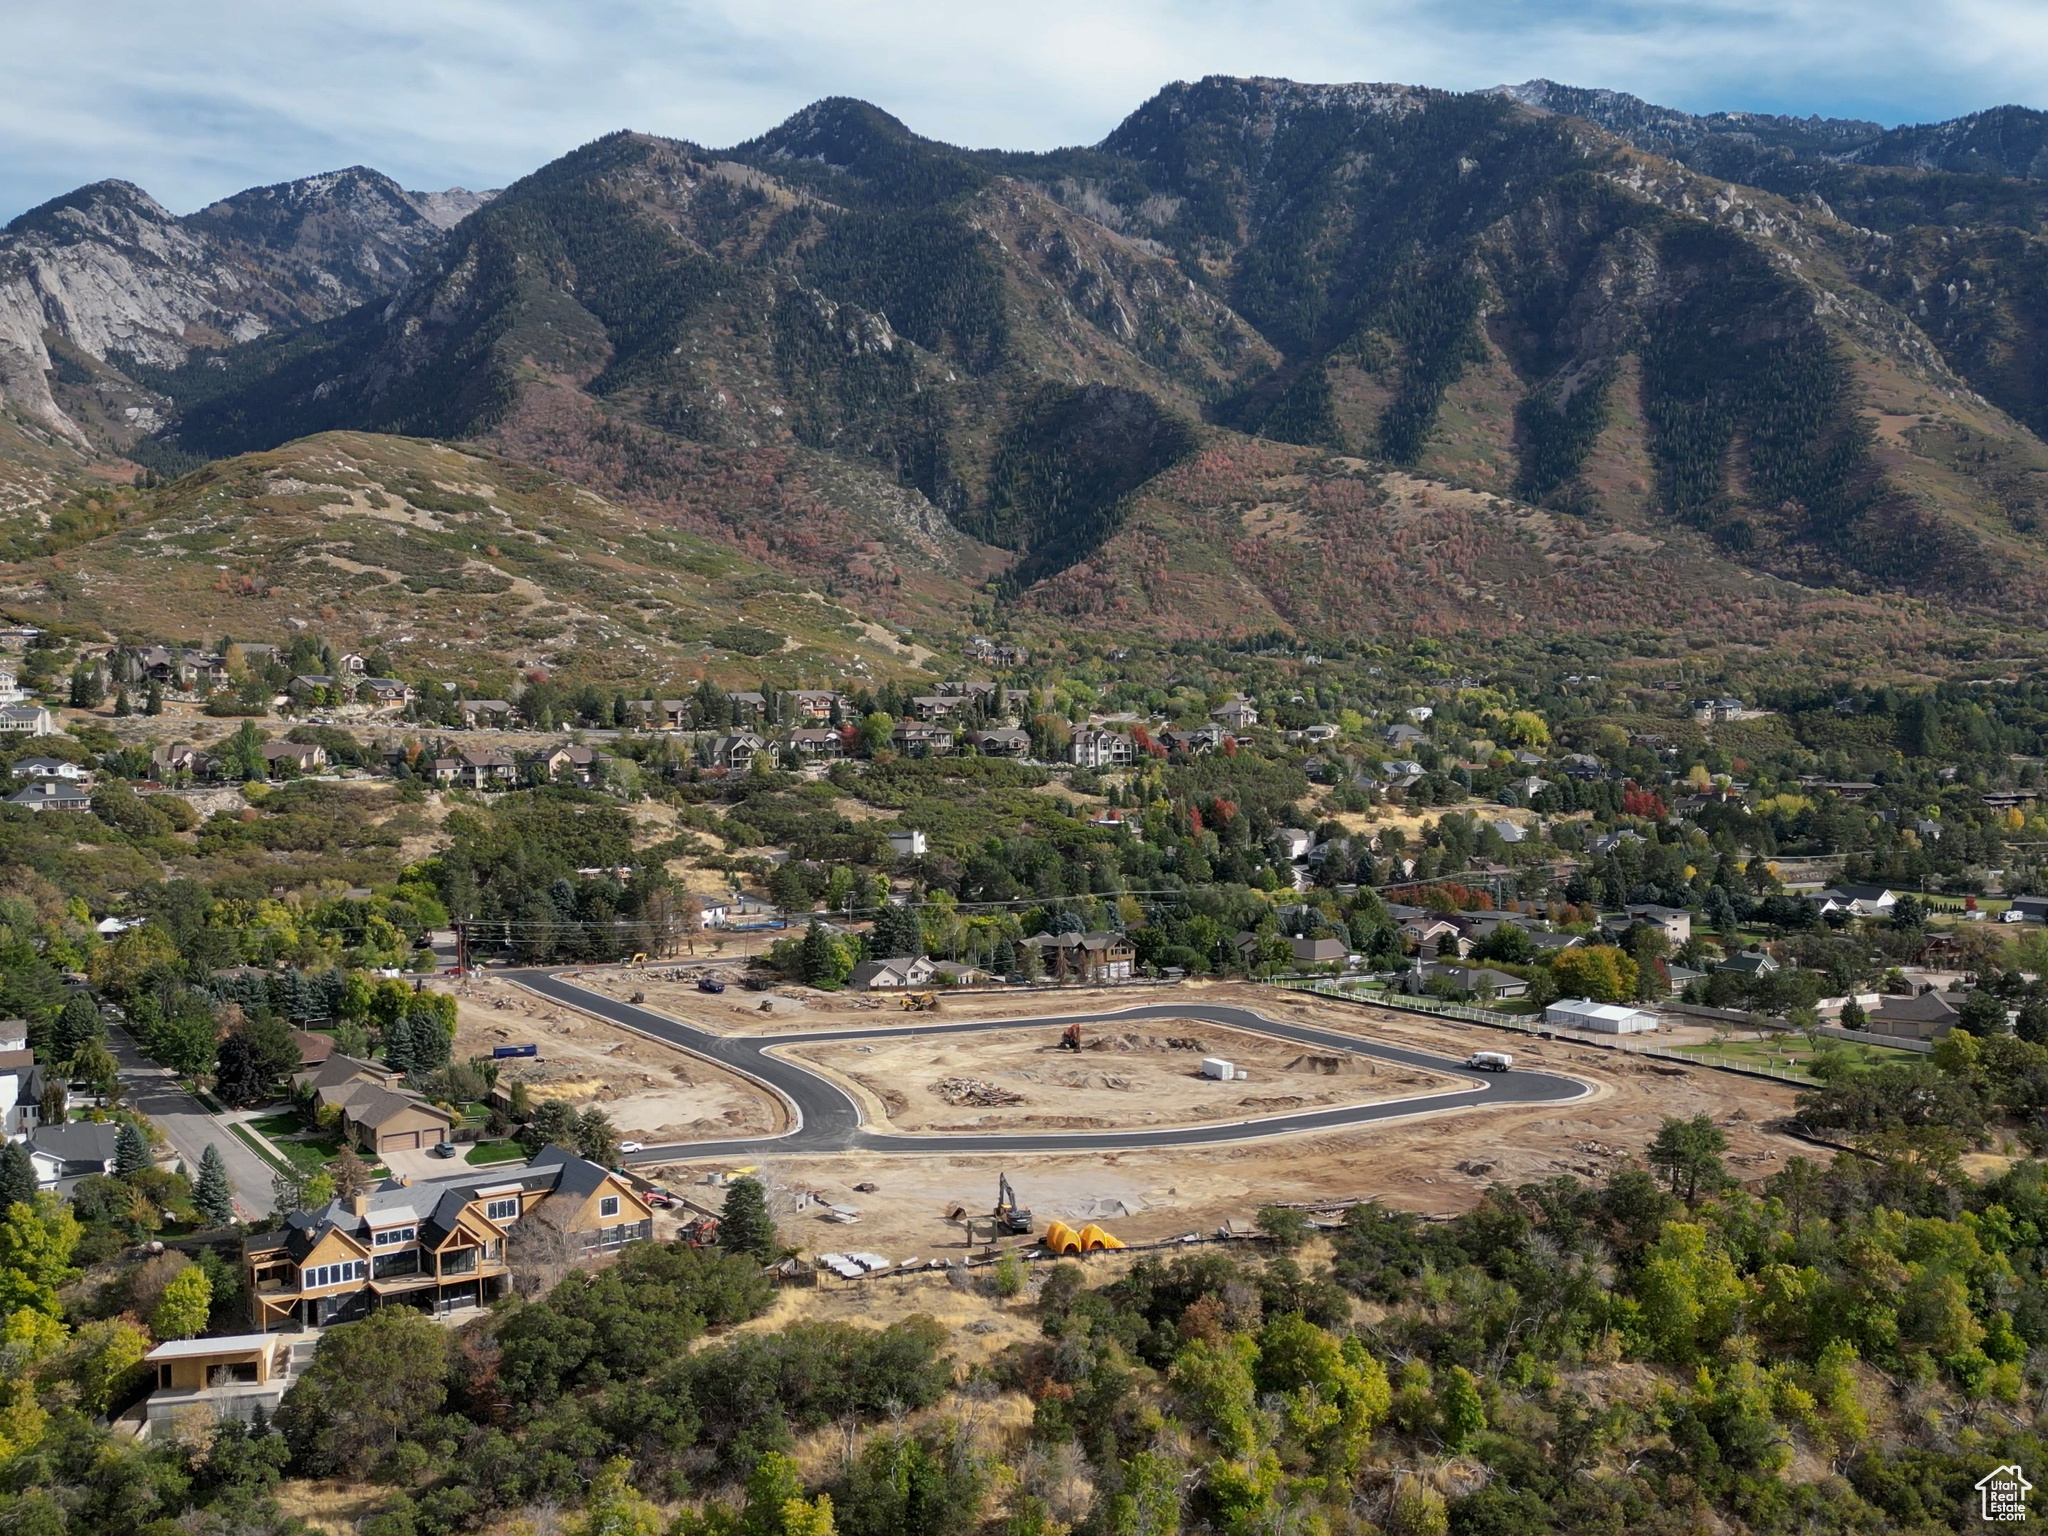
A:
(359, 1205)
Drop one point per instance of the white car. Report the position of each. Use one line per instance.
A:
(631, 1146)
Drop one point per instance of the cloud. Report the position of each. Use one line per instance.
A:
(200, 99)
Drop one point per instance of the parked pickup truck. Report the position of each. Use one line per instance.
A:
(1489, 1061)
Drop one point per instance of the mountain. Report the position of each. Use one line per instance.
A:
(455, 562)
(913, 375)
(103, 288)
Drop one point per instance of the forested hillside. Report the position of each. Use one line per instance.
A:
(1480, 290)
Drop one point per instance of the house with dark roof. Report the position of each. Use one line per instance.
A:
(51, 795)
(72, 1150)
(377, 1112)
(1926, 1017)
(1100, 956)
(436, 1244)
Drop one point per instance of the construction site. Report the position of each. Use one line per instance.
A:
(1436, 1160)
(1026, 1079)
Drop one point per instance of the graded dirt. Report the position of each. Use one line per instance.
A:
(1437, 1162)
(652, 1091)
(1140, 1075)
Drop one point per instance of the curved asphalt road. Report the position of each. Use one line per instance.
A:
(829, 1119)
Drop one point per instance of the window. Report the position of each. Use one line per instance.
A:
(391, 1266)
(503, 1210)
(392, 1237)
(608, 1206)
(331, 1274)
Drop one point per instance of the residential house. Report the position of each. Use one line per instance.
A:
(51, 768)
(1749, 963)
(1544, 940)
(819, 703)
(435, 1244)
(1529, 788)
(1862, 900)
(1198, 742)
(476, 769)
(985, 693)
(315, 1049)
(307, 684)
(922, 740)
(1102, 749)
(352, 665)
(1399, 736)
(1295, 843)
(1583, 765)
(21, 1081)
(385, 691)
(823, 742)
(11, 691)
(71, 1151)
(1508, 831)
(1929, 1016)
(568, 761)
(1609, 842)
(294, 754)
(1000, 741)
(182, 758)
(1475, 979)
(51, 795)
(1418, 712)
(892, 974)
(1097, 956)
(486, 714)
(1427, 932)
(1239, 714)
(199, 1382)
(748, 706)
(378, 1113)
(907, 843)
(660, 714)
(1319, 951)
(1674, 922)
(938, 706)
(736, 753)
(27, 720)
(1717, 711)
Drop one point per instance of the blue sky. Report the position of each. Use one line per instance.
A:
(198, 98)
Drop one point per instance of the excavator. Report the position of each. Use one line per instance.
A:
(1071, 1040)
(1010, 1217)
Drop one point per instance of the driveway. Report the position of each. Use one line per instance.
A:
(155, 1092)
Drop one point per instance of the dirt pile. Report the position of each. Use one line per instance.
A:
(972, 1090)
(1325, 1066)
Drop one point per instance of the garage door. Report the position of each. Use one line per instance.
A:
(400, 1141)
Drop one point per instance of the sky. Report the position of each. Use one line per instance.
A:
(196, 99)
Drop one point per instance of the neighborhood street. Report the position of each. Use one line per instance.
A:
(155, 1092)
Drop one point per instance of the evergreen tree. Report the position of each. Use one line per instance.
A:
(597, 1138)
(131, 1151)
(745, 1229)
(17, 1176)
(122, 708)
(398, 1045)
(76, 1024)
(214, 1196)
(553, 1124)
(153, 698)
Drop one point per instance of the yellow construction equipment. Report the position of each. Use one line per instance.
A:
(1061, 1238)
(639, 959)
(1010, 1215)
(919, 1002)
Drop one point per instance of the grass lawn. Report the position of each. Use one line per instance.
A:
(1792, 1053)
(242, 1134)
(309, 1155)
(496, 1152)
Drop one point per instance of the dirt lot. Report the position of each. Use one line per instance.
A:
(652, 1091)
(1145, 1075)
(1437, 1162)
